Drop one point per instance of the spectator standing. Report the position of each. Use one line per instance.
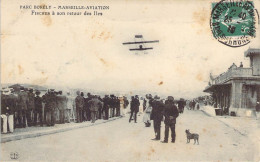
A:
(79, 100)
(134, 108)
(181, 105)
(31, 107)
(94, 106)
(38, 108)
(8, 106)
(106, 106)
(86, 103)
(22, 110)
(51, 105)
(157, 116)
(171, 113)
(61, 105)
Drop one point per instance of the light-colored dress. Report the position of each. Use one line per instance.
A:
(141, 106)
(147, 114)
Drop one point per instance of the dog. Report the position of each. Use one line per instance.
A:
(192, 136)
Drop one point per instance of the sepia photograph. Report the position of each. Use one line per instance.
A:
(130, 81)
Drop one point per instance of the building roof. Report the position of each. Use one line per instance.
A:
(252, 51)
(216, 86)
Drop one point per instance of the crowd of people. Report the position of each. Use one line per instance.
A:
(29, 108)
(194, 105)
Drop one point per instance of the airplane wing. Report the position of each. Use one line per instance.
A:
(140, 49)
(141, 42)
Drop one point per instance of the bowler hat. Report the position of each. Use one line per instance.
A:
(38, 92)
(156, 97)
(170, 98)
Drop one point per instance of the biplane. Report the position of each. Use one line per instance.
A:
(141, 42)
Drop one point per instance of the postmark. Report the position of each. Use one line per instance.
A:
(234, 22)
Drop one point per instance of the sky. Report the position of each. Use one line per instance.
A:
(86, 51)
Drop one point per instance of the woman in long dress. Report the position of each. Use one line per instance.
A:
(146, 117)
(141, 106)
(147, 111)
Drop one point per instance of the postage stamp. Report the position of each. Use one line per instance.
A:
(234, 23)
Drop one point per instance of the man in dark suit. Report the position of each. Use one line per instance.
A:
(112, 105)
(106, 106)
(87, 106)
(181, 105)
(134, 106)
(31, 107)
(22, 111)
(171, 113)
(157, 116)
(117, 105)
(95, 104)
(38, 108)
(50, 107)
(79, 100)
(100, 108)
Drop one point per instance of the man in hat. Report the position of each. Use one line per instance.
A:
(84, 110)
(181, 105)
(111, 106)
(79, 100)
(134, 106)
(50, 107)
(22, 111)
(171, 113)
(131, 108)
(38, 108)
(61, 105)
(157, 116)
(8, 106)
(31, 107)
(13, 100)
(95, 104)
(117, 106)
(100, 108)
(106, 106)
(87, 106)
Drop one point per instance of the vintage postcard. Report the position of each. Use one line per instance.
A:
(140, 80)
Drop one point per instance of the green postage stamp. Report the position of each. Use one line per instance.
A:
(233, 23)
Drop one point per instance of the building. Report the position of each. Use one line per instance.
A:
(238, 89)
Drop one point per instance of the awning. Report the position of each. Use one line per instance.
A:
(214, 87)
